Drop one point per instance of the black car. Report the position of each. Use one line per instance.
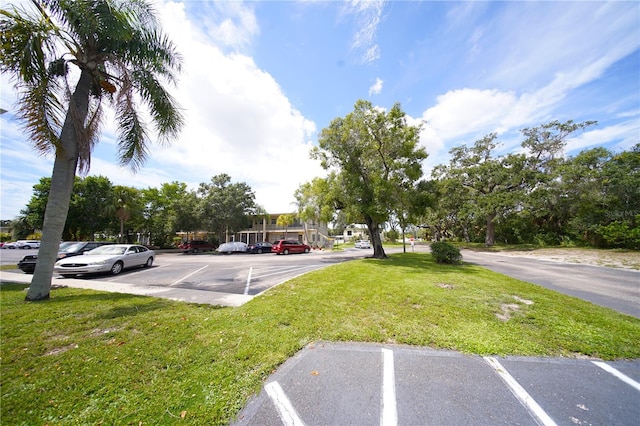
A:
(259, 248)
(67, 249)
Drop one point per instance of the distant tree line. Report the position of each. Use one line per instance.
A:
(536, 196)
(101, 210)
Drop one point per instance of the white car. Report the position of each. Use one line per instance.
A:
(28, 244)
(232, 247)
(112, 258)
(364, 244)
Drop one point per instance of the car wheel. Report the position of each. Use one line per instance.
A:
(259, 251)
(195, 250)
(116, 268)
(149, 262)
(68, 275)
(306, 250)
(285, 252)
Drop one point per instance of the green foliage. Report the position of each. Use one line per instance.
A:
(444, 252)
(224, 206)
(392, 235)
(619, 234)
(107, 355)
(376, 159)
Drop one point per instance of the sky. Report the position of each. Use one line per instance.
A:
(261, 80)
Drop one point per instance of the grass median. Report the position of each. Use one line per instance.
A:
(88, 357)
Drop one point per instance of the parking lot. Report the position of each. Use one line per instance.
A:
(388, 385)
(227, 280)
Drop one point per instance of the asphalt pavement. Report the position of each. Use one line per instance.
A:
(388, 385)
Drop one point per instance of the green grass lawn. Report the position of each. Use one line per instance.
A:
(87, 357)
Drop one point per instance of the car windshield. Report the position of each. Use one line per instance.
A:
(63, 245)
(70, 247)
(115, 250)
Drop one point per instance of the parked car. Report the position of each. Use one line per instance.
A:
(9, 245)
(363, 244)
(289, 246)
(113, 258)
(66, 249)
(233, 247)
(28, 244)
(259, 248)
(195, 246)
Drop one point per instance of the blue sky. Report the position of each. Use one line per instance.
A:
(262, 79)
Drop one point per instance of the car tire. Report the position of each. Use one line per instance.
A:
(306, 250)
(116, 268)
(259, 251)
(149, 262)
(285, 252)
(194, 251)
(68, 275)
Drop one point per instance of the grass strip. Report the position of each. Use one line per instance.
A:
(87, 357)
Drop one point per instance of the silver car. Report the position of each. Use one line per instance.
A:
(111, 258)
(363, 244)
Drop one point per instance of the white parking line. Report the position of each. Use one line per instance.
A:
(609, 369)
(187, 276)
(280, 271)
(541, 417)
(389, 415)
(286, 411)
(246, 288)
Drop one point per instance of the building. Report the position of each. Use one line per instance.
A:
(265, 229)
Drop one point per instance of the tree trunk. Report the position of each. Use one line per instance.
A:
(64, 172)
(491, 230)
(374, 232)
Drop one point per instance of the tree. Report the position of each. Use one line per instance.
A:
(492, 187)
(373, 154)
(225, 206)
(285, 220)
(492, 184)
(167, 210)
(314, 204)
(127, 205)
(87, 212)
(67, 57)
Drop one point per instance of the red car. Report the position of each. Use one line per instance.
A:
(289, 246)
(196, 246)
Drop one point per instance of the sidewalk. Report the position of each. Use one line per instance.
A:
(179, 294)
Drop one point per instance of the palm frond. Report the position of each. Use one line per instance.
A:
(132, 134)
(25, 43)
(162, 106)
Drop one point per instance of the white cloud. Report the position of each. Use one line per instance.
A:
(376, 88)
(625, 135)
(368, 14)
(238, 119)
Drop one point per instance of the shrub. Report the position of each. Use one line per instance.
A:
(443, 252)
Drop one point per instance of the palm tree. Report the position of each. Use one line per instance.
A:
(67, 58)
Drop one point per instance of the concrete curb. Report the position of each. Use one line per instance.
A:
(178, 294)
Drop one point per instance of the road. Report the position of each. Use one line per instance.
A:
(613, 288)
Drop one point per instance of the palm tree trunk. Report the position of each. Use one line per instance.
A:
(64, 172)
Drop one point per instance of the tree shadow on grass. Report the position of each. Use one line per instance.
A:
(423, 262)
